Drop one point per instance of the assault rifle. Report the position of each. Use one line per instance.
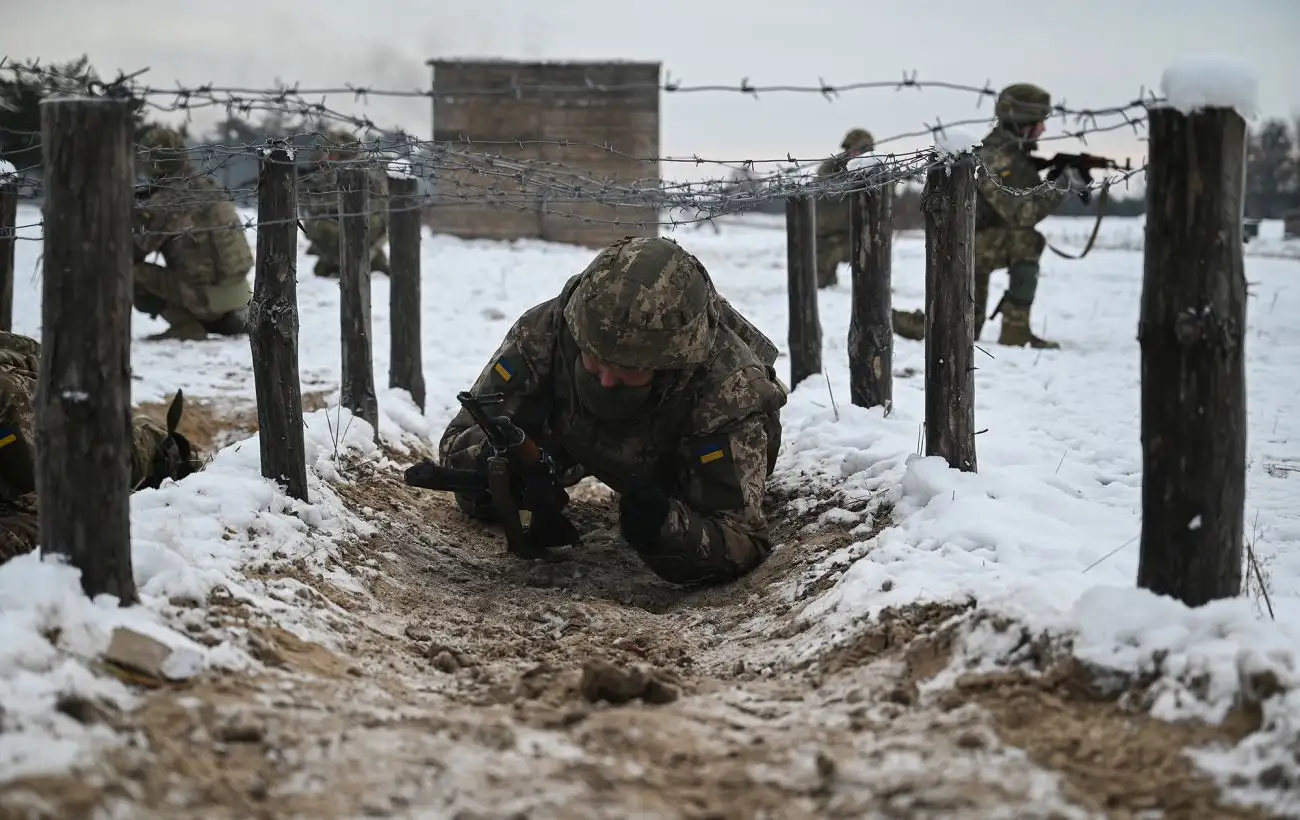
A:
(519, 475)
(1085, 164)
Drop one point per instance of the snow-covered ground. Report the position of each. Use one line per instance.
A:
(1046, 532)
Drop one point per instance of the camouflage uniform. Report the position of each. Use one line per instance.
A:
(833, 230)
(690, 452)
(152, 459)
(833, 209)
(1005, 236)
(204, 286)
(318, 195)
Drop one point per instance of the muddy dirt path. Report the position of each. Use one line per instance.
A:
(470, 684)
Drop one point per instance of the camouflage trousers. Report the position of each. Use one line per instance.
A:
(1016, 249)
(832, 249)
(186, 305)
(323, 234)
(18, 526)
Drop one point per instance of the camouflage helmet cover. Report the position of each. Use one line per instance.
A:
(644, 303)
(162, 150)
(859, 139)
(1023, 104)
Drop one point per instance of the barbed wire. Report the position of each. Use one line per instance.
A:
(459, 172)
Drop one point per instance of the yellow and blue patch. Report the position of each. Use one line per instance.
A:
(711, 453)
(7, 437)
(504, 370)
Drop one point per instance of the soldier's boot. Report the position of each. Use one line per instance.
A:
(910, 324)
(234, 323)
(327, 268)
(1015, 328)
(183, 325)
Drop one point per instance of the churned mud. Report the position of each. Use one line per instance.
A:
(469, 684)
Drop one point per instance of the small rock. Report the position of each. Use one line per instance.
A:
(82, 709)
(971, 740)
(418, 633)
(156, 651)
(605, 681)
(242, 729)
(900, 695)
(355, 671)
(445, 661)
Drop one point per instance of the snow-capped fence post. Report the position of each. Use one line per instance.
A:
(948, 203)
(358, 378)
(82, 402)
(871, 333)
(8, 239)
(804, 335)
(1192, 336)
(405, 358)
(273, 324)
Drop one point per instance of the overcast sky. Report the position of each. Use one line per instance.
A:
(1091, 53)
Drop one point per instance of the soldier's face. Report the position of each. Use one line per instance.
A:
(611, 375)
(1036, 130)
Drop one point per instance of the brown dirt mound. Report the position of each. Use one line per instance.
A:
(471, 684)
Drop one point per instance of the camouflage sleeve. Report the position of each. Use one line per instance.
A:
(160, 218)
(716, 531)
(1005, 167)
(520, 367)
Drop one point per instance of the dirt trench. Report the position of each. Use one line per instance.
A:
(473, 685)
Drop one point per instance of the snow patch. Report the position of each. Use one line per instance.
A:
(1211, 81)
(954, 141)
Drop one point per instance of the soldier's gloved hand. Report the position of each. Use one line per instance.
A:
(1070, 180)
(641, 514)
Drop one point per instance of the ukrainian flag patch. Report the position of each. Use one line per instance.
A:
(7, 437)
(711, 453)
(503, 369)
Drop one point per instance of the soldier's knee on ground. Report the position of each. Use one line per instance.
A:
(478, 506)
(688, 570)
(18, 533)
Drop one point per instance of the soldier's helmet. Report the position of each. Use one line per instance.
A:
(1023, 104)
(644, 303)
(160, 152)
(860, 140)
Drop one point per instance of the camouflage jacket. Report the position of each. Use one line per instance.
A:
(708, 440)
(1007, 164)
(833, 209)
(197, 230)
(20, 358)
(318, 197)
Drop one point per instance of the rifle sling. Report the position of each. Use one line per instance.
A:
(1096, 227)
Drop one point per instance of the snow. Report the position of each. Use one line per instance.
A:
(7, 168)
(866, 162)
(1211, 81)
(1044, 534)
(954, 141)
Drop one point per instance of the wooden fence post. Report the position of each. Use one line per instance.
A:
(358, 381)
(949, 205)
(273, 324)
(871, 332)
(82, 402)
(805, 332)
(405, 358)
(1192, 337)
(8, 240)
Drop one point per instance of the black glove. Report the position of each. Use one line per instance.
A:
(641, 513)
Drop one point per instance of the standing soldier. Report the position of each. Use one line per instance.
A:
(320, 206)
(1006, 214)
(203, 287)
(833, 243)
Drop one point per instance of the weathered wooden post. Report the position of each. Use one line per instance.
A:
(1192, 335)
(358, 382)
(805, 332)
(273, 324)
(8, 239)
(871, 332)
(949, 205)
(405, 358)
(82, 402)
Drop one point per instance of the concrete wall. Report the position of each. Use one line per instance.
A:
(500, 101)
